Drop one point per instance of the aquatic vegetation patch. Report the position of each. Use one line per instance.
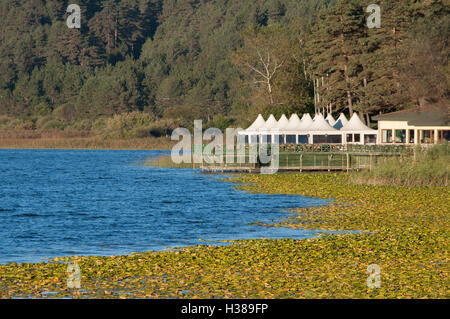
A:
(406, 234)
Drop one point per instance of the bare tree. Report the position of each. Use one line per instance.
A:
(264, 54)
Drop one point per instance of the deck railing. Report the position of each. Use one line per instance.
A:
(305, 157)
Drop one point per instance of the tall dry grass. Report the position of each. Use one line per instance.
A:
(32, 139)
(165, 162)
(429, 167)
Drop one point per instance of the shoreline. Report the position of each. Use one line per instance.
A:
(406, 233)
(86, 143)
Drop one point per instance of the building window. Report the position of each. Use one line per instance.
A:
(370, 139)
(254, 139)
(266, 139)
(334, 139)
(443, 136)
(411, 136)
(319, 139)
(246, 139)
(427, 137)
(386, 136)
(400, 136)
(357, 138)
(290, 139)
(349, 138)
(302, 139)
(279, 139)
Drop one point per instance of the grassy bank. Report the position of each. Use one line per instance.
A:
(426, 167)
(78, 140)
(407, 236)
(165, 162)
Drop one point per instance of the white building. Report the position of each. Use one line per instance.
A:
(414, 126)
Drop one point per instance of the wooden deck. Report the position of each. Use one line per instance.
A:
(306, 161)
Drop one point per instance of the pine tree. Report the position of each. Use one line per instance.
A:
(334, 54)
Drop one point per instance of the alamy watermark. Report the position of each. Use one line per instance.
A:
(374, 20)
(234, 151)
(74, 20)
(73, 276)
(374, 279)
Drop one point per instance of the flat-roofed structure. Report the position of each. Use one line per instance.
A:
(414, 126)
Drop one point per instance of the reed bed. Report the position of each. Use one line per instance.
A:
(428, 167)
(47, 140)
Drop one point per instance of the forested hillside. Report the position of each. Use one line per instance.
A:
(145, 67)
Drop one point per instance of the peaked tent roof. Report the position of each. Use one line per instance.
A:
(356, 125)
(320, 125)
(257, 124)
(306, 122)
(330, 119)
(294, 117)
(343, 118)
(294, 123)
(270, 124)
(340, 122)
(281, 124)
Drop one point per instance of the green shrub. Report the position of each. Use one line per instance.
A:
(24, 125)
(4, 122)
(42, 109)
(53, 124)
(82, 125)
(64, 112)
(100, 124)
(221, 122)
(125, 125)
(42, 121)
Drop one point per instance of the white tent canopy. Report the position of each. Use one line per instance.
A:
(343, 118)
(330, 119)
(270, 124)
(306, 122)
(294, 123)
(355, 131)
(340, 122)
(321, 125)
(257, 124)
(317, 131)
(282, 124)
(356, 125)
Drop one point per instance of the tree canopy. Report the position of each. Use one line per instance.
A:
(222, 61)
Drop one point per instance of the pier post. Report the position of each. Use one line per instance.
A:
(301, 162)
(348, 162)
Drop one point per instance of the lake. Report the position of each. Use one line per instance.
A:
(94, 202)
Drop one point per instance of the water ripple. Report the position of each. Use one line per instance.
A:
(64, 202)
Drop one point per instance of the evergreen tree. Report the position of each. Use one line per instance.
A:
(334, 55)
(172, 57)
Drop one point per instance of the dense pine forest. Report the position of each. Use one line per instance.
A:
(138, 68)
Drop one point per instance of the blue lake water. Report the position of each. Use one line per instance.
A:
(88, 202)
